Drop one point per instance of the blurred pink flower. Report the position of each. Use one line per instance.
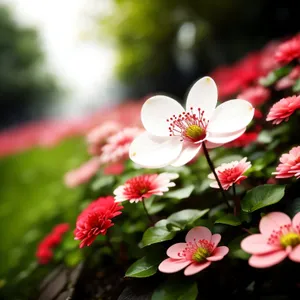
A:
(256, 95)
(117, 147)
(96, 219)
(82, 174)
(289, 164)
(98, 136)
(230, 173)
(284, 83)
(283, 109)
(279, 238)
(144, 186)
(288, 50)
(199, 251)
(114, 169)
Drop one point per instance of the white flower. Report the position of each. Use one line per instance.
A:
(174, 136)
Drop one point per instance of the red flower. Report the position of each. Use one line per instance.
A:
(256, 95)
(288, 50)
(44, 252)
(114, 169)
(96, 219)
(283, 109)
(244, 140)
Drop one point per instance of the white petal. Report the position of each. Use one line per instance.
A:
(154, 152)
(231, 116)
(189, 151)
(210, 145)
(224, 138)
(203, 95)
(155, 112)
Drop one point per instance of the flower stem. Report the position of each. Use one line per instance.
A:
(212, 167)
(237, 202)
(147, 213)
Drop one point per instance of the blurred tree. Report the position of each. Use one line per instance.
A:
(24, 86)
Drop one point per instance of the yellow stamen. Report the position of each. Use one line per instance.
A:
(200, 254)
(194, 132)
(290, 239)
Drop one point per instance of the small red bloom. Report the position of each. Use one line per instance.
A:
(244, 140)
(96, 219)
(44, 251)
(114, 169)
(283, 109)
(288, 50)
(256, 95)
(144, 186)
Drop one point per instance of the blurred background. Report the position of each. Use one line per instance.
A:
(63, 59)
(68, 58)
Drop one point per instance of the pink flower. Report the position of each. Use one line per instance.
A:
(96, 219)
(199, 251)
(244, 140)
(284, 83)
(230, 173)
(295, 73)
(98, 136)
(283, 109)
(256, 95)
(82, 174)
(144, 186)
(289, 164)
(279, 238)
(114, 169)
(288, 50)
(117, 147)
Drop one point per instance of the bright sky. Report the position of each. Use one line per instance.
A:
(84, 67)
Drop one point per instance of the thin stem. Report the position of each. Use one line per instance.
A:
(147, 213)
(246, 230)
(237, 203)
(212, 167)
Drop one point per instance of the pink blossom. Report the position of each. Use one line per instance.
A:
(82, 174)
(284, 83)
(230, 173)
(279, 238)
(117, 147)
(98, 136)
(288, 50)
(256, 95)
(283, 109)
(196, 254)
(295, 73)
(114, 169)
(289, 164)
(144, 186)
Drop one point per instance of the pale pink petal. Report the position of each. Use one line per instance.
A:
(296, 221)
(215, 239)
(155, 112)
(195, 268)
(210, 145)
(295, 254)
(218, 254)
(273, 221)
(203, 95)
(267, 260)
(231, 116)
(171, 265)
(257, 244)
(198, 233)
(154, 152)
(217, 138)
(189, 151)
(174, 250)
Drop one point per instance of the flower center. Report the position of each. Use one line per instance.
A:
(143, 191)
(201, 254)
(290, 239)
(189, 126)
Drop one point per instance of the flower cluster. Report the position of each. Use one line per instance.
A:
(45, 248)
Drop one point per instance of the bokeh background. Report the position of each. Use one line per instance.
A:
(65, 60)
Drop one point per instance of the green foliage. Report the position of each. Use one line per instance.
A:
(273, 76)
(229, 219)
(181, 193)
(261, 196)
(235, 250)
(176, 290)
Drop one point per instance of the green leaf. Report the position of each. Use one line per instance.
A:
(261, 196)
(176, 290)
(235, 250)
(154, 207)
(293, 207)
(229, 219)
(102, 181)
(273, 76)
(181, 193)
(144, 267)
(296, 87)
(156, 234)
(186, 217)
